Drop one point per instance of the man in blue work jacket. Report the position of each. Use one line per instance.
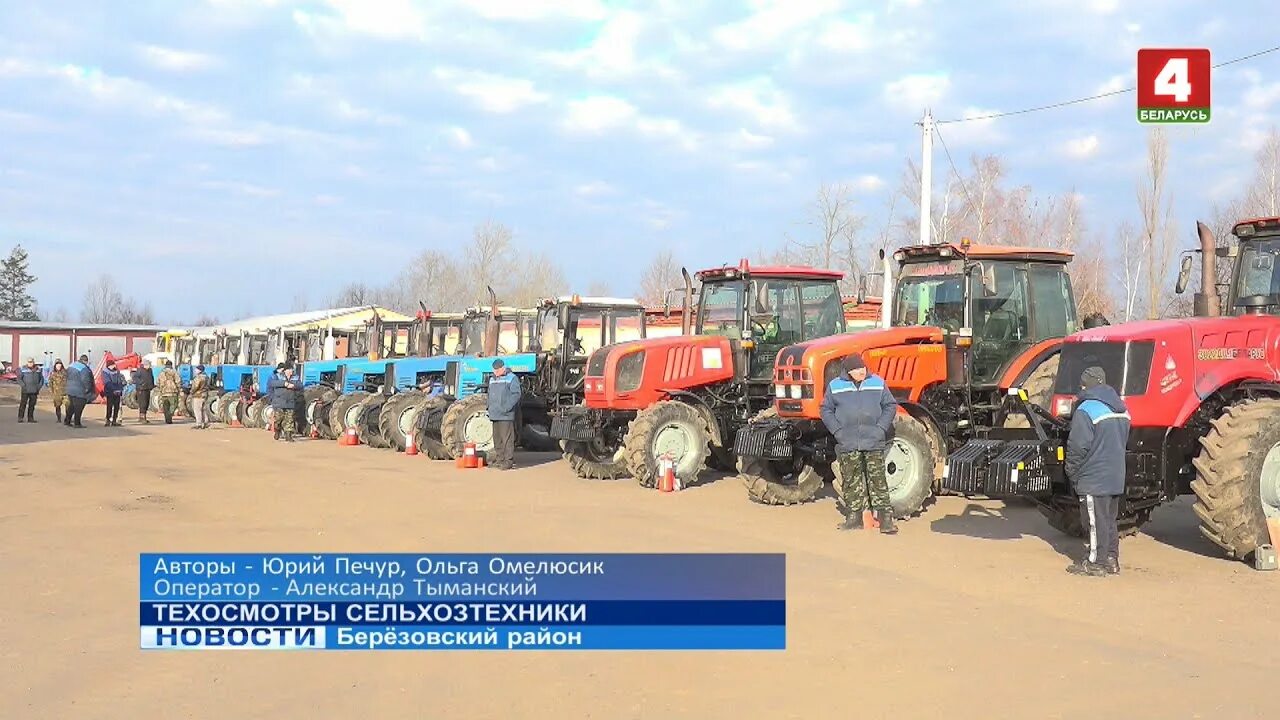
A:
(503, 402)
(1096, 468)
(859, 410)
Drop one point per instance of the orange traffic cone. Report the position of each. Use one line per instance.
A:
(315, 433)
(235, 422)
(870, 521)
(667, 481)
(353, 438)
(411, 448)
(469, 455)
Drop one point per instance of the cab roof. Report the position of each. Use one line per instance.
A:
(925, 253)
(744, 267)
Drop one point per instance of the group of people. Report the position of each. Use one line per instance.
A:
(858, 410)
(72, 388)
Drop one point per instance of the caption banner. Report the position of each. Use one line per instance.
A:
(462, 602)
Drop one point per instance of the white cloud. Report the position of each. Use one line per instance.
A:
(171, 60)
(979, 128)
(596, 188)
(1081, 148)
(599, 114)
(1103, 7)
(535, 10)
(917, 92)
(772, 22)
(868, 183)
(494, 93)
(613, 51)
(847, 36)
(347, 111)
(759, 100)
(326, 200)
(1132, 28)
(744, 139)
(241, 188)
(460, 138)
(386, 19)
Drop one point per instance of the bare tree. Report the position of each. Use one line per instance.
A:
(1133, 256)
(299, 303)
(489, 257)
(540, 277)
(207, 320)
(432, 278)
(600, 288)
(353, 295)
(1264, 192)
(833, 240)
(60, 315)
(662, 274)
(1157, 227)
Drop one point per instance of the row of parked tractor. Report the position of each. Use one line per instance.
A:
(982, 346)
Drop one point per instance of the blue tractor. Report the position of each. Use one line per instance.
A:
(547, 348)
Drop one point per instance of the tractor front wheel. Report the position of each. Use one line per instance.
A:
(368, 428)
(777, 482)
(428, 442)
(399, 406)
(255, 415)
(1237, 483)
(467, 421)
(595, 459)
(343, 413)
(668, 429)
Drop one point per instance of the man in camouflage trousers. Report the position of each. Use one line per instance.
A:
(284, 389)
(858, 410)
(169, 385)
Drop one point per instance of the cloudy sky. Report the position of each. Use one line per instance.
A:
(229, 155)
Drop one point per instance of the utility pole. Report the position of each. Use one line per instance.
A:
(926, 177)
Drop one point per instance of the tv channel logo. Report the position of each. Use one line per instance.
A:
(1173, 85)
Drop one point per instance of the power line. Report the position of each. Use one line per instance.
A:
(1090, 98)
(963, 185)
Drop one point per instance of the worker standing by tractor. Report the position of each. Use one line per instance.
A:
(199, 392)
(144, 381)
(284, 387)
(82, 389)
(858, 411)
(169, 386)
(58, 389)
(503, 401)
(1095, 465)
(112, 389)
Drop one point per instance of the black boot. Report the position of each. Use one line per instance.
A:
(1089, 569)
(57, 412)
(852, 521)
(885, 518)
(1112, 565)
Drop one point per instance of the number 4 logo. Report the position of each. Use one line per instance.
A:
(1173, 85)
(1173, 80)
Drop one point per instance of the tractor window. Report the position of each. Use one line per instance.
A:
(586, 332)
(721, 308)
(1127, 365)
(473, 336)
(1259, 271)
(1053, 308)
(999, 318)
(930, 294)
(822, 309)
(445, 339)
(626, 326)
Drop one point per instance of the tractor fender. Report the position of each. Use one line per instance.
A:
(931, 424)
(1021, 367)
(689, 398)
(1229, 392)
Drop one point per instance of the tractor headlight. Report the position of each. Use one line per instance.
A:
(780, 390)
(795, 392)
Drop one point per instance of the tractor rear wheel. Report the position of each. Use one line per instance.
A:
(1237, 483)
(318, 414)
(1039, 389)
(342, 413)
(210, 407)
(254, 416)
(231, 408)
(368, 428)
(909, 463)
(428, 443)
(668, 428)
(396, 418)
(778, 482)
(130, 398)
(595, 459)
(467, 420)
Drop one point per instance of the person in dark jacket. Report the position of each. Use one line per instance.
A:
(112, 389)
(503, 401)
(283, 388)
(1096, 467)
(81, 388)
(144, 381)
(858, 410)
(30, 380)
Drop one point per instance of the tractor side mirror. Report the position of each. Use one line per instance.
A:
(563, 316)
(989, 287)
(1184, 275)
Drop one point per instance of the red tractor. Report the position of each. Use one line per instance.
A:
(683, 398)
(1204, 395)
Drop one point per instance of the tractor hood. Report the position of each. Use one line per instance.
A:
(634, 375)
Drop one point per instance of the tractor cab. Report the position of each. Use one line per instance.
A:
(995, 303)
(1255, 284)
(570, 329)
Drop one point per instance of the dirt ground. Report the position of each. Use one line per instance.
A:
(966, 613)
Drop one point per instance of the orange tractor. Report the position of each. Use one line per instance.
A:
(967, 322)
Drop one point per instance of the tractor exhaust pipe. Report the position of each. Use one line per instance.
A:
(886, 290)
(1207, 303)
(686, 311)
(492, 328)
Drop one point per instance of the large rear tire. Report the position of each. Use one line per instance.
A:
(774, 482)
(130, 398)
(910, 460)
(433, 446)
(1237, 483)
(368, 428)
(232, 410)
(254, 416)
(668, 427)
(467, 420)
(342, 414)
(400, 409)
(1039, 389)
